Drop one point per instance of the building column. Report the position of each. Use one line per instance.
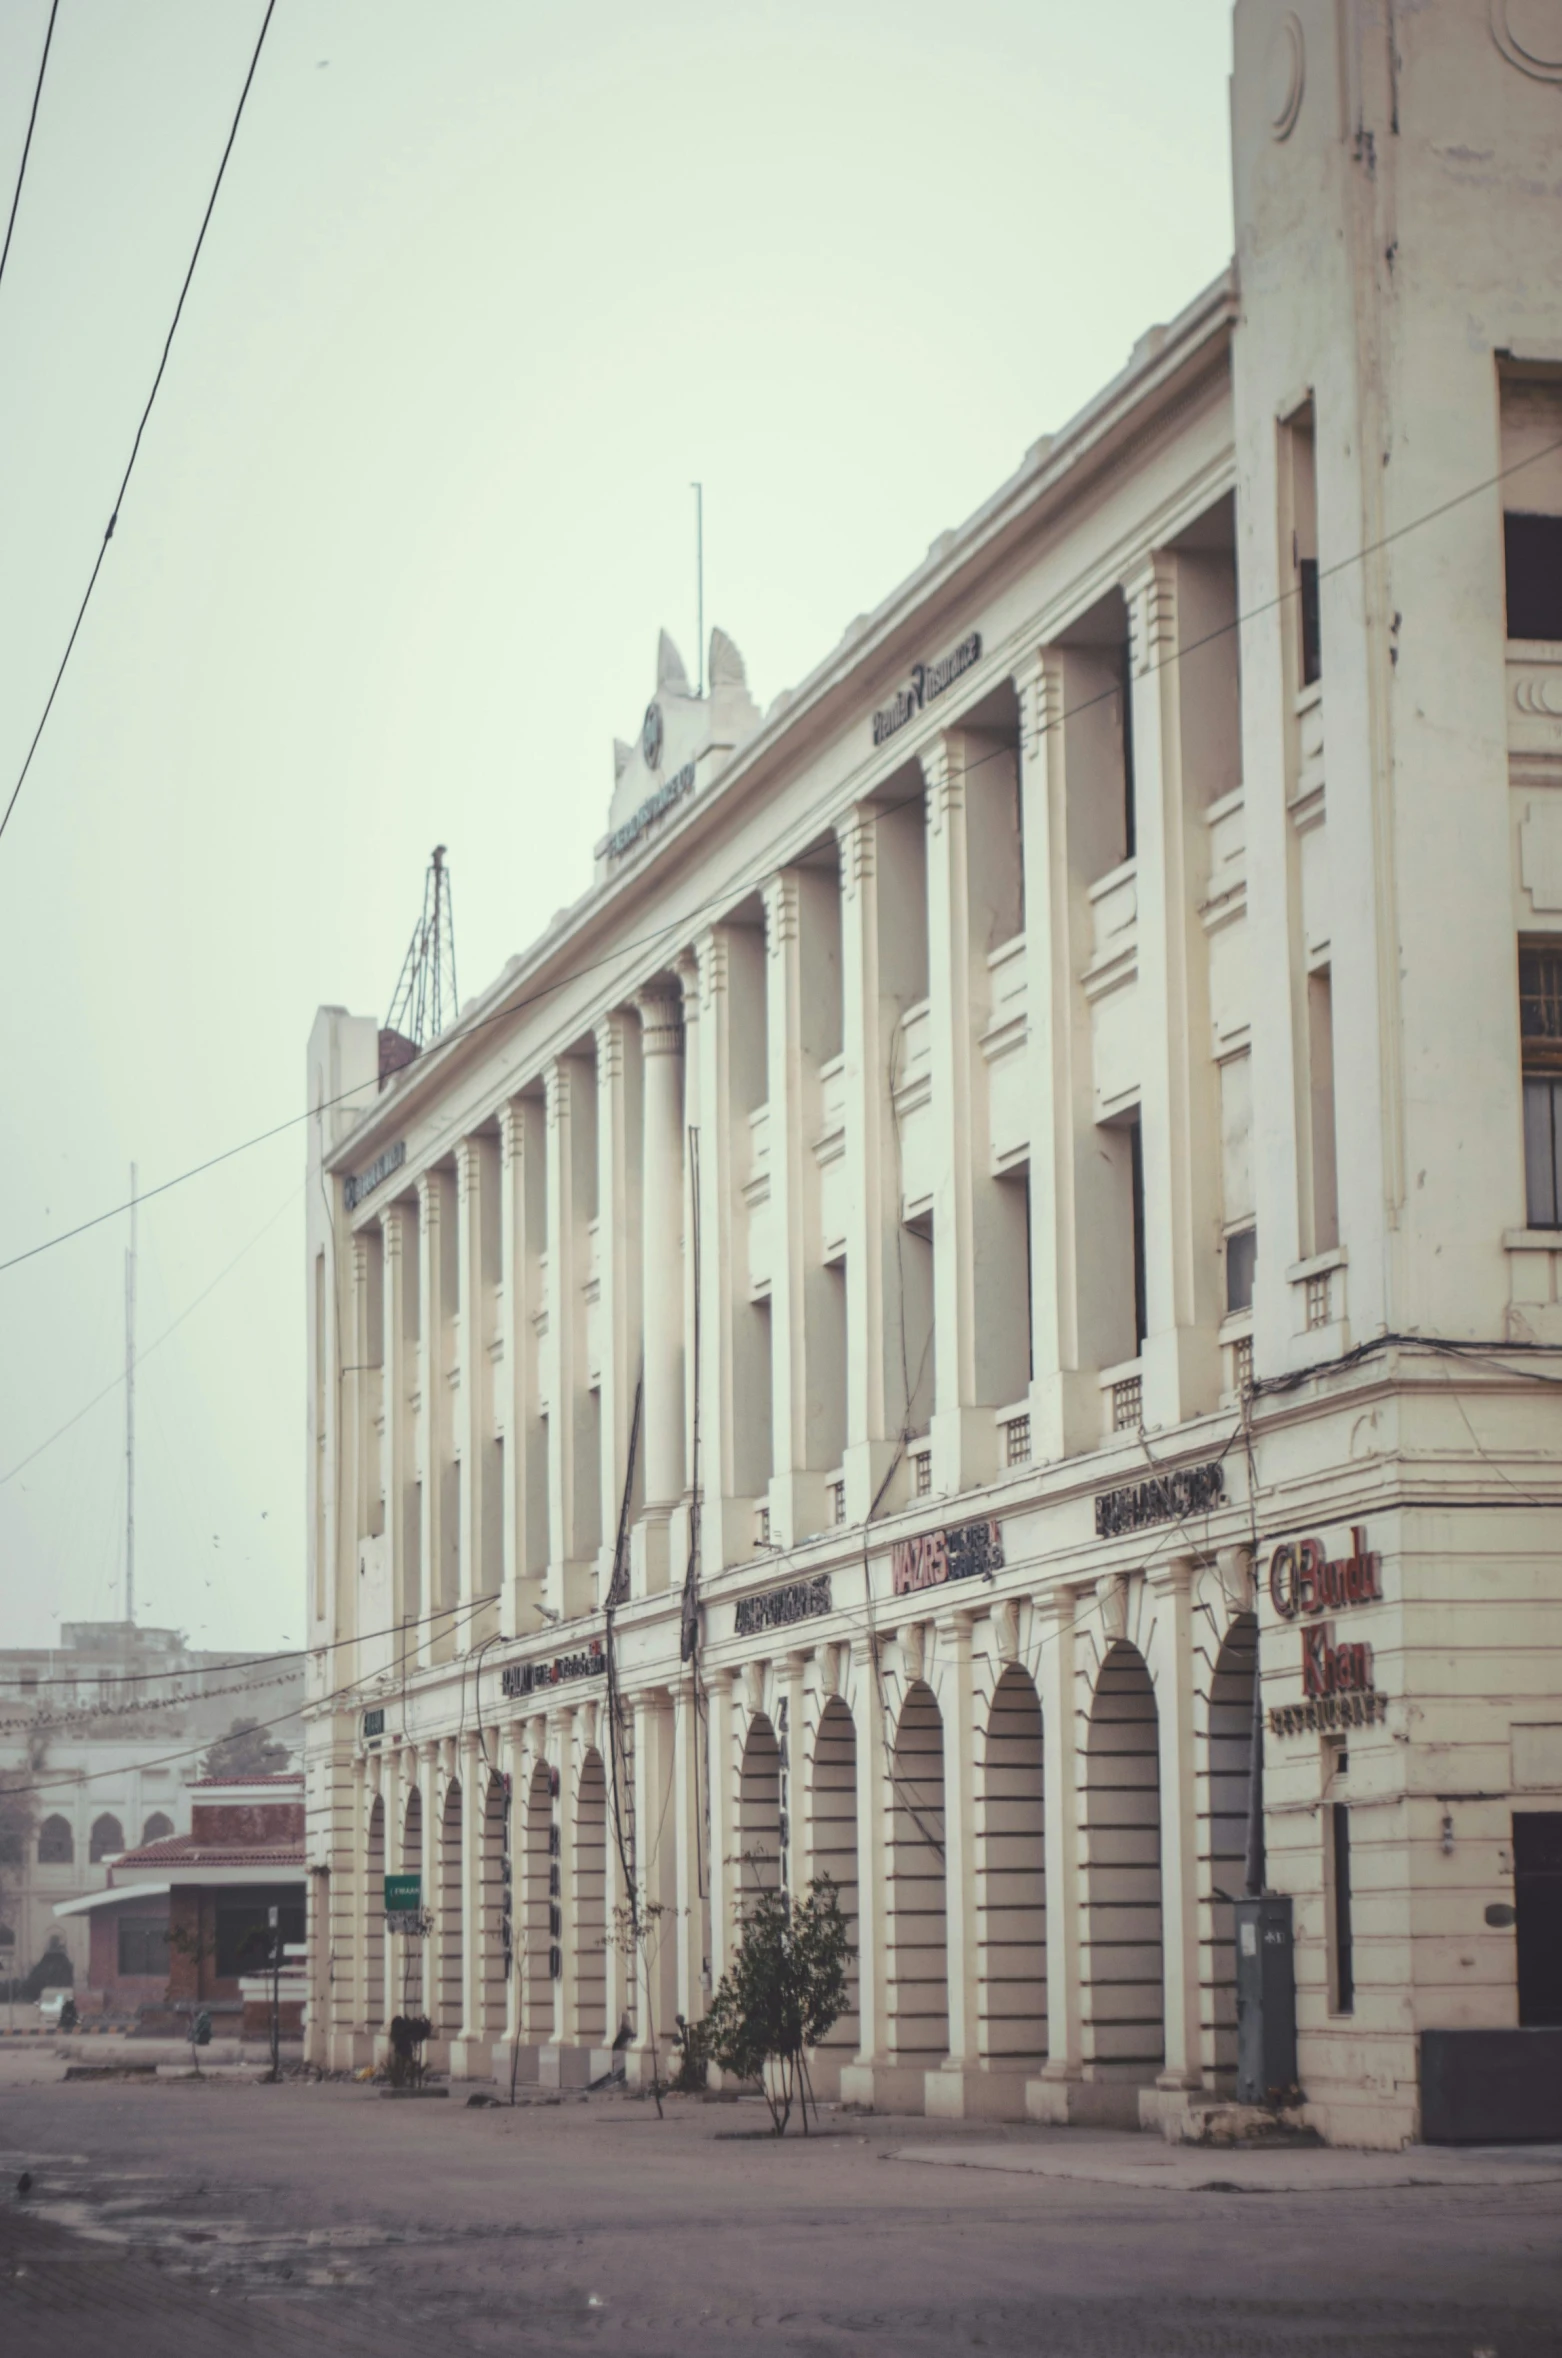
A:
(734, 1408)
(875, 1381)
(807, 1401)
(690, 1814)
(439, 1531)
(874, 1805)
(722, 1699)
(948, 2091)
(512, 1755)
(1178, 1111)
(361, 2001)
(656, 1996)
(570, 1479)
(397, 1480)
(1171, 1665)
(661, 1044)
(480, 1505)
(561, 1875)
(791, 1739)
(619, 1157)
(1065, 1398)
(469, 2051)
(1054, 1616)
(523, 1163)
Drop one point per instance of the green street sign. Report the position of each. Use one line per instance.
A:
(403, 1895)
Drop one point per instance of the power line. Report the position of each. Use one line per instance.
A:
(27, 143)
(735, 889)
(142, 1356)
(135, 448)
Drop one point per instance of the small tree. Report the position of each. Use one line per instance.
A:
(785, 1991)
(245, 1751)
(637, 1935)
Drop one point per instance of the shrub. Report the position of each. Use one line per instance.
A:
(785, 1991)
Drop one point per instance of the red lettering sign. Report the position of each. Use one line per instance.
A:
(1302, 1579)
(1328, 1669)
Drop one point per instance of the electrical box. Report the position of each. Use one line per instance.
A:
(1266, 2000)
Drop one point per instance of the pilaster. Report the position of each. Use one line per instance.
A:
(875, 1403)
(619, 1164)
(803, 1381)
(1171, 1663)
(439, 1527)
(398, 1234)
(480, 1502)
(662, 1211)
(519, 1388)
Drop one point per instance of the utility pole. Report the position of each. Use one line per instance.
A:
(130, 1410)
(698, 490)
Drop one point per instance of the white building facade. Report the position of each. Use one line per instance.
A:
(1055, 1119)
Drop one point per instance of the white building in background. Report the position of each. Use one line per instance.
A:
(1063, 1109)
(109, 1726)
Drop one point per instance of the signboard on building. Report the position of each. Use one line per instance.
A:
(403, 1899)
(1304, 1578)
(778, 1608)
(966, 1552)
(358, 1184)
(530, 1678)
(927, 681)
(670, 791)
(1164, 1498)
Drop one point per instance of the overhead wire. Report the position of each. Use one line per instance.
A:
(27, 143)
(735, 889)
(135, 448)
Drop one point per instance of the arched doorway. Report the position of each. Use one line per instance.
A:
(410, 1998)
(759, 1814)
(1124, 2003)
(1226, 1783)
(918, 1928)
(448, 2020)
(590, 1925)
(1011, 1886)
(374, 1918)
(834, 1802)
(492, 1987)
(537, 1933)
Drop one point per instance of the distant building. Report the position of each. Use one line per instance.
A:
(184, 1921)
(112, 1723)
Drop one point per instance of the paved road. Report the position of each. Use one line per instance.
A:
(172, 2218)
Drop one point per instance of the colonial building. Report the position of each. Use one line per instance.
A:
(1056, 1121)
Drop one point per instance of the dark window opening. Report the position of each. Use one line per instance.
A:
(1136, 1167)
(1241, 1259)
(107, 1840)
(1532, 563)
(1537, 1907)
(56, 1843)
(244, 1934)
(1312, 625)
(143, 1946)
(1540, 1039)
(1130, 825)
(1344, 1957)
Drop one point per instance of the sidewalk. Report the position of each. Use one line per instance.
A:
(1127, 2157)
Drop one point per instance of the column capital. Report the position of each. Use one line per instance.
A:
(1038, 684)
(555, 1088)
(687, 969)
(856, 833)
(469, 1163)
(713, 955)
(782, 898)
(1150, 589)
(393, 1229)
(943, 768)
(660, 1011)
(512, 1130)
(611, 1033)
(429, 1192)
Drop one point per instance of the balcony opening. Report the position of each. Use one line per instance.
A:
(1299, 493)
(1098, 740)
(1208, 653)
(1325, 1168)
(1532, 485)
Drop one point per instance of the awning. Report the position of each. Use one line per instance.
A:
(109, 1899)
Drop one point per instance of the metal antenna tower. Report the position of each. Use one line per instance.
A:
(425, 997)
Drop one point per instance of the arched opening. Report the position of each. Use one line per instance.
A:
(496, 1937)
(107, 1839)
(1227, 1781)
(56, 1843)
(537, 1933)
(759, 1814)
(451, 1945)
(1011, 1887)
(412, 1945)
(157, 1828)
(919, 1964)
(374, 1917)
(834, 1798)
(590, 1925)
(1124, 2005)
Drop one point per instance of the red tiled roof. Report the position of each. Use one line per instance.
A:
(289, 1777)
(184, 1850)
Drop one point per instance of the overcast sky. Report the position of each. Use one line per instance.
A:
(487, 285)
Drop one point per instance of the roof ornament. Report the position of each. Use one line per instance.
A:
(726, 663)
(670, 673)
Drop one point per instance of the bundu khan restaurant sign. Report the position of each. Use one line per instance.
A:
(1339, 1689)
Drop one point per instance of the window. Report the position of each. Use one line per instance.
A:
(143, 1946)
(1312, 629)
(157, 1828)
(108, 1839)
(1016, 1441)
(1128, 1405)
(56, 1843)
(1540, 1040)
(1342, 1973)
(244, 1931)
(1325, 1169)
(1241, 1260)
(1136, 1168)
(922, 1473)
(1300, 481)
(1532, 553)
(1130, 813)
